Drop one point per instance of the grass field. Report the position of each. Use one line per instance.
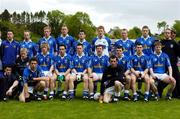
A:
(80, 109)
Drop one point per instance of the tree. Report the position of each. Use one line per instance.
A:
(55, 19)
(176, 26)
(134, 33)
(162, 25)
(41, 16)
(80, 21)
(5, 16)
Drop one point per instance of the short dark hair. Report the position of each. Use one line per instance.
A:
(145, 27)
(113, 57)
(138, 43)
(8, 66)
(120, 47)
(33, 59)
(62, 45)
(79, 44)
(81, 30)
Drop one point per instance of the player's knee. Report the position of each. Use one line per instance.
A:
(42, 84)
(117, 83)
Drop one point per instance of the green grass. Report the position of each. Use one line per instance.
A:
(79, 109)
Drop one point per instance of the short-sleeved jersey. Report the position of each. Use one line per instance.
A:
(62, 64)
(68, 41)
(159, 63)
(125, 62)
(98, 64)
(139, 63)
(9, 52)
(52, 44)
(86, 45)
(31, 47)
(45, 61)
(80, 63)
(28, 74)
(103, 41)
(147, 43)
(128, 46)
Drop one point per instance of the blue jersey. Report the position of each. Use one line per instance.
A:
(52, 44)
(86, 45)
(45, 61)
(28, 74)
(31, 47)
(128, 46)
(98, 64)
(160, 63)
(125, 62)
(62, 64)
(80, 63)
(148, 44)
(9, 52)
(139, 63)
(68, 41)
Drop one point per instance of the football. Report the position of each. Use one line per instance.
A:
(96, 96)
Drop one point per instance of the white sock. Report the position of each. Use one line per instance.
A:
(52, 92)
(117, 94)
(46, 89)
(126, 91)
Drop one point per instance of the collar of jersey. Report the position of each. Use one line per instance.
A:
(121, 56)
(32, 70)
(63, 56)
(81, 55)
(102, 37)
(47, 38)
(145, 38)
(138, 55)
(65, 36)
(45, 55)
(27, 41)
(124, 40)
(82, 41)
(157, 54)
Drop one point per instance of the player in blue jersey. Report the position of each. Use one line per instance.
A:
(160, 65)
(148, 46)
(146, 40)
(87, 46)
(29, 45)
(34, 81)
(45, 61)
(66, 39)
(126, 43)
(48, 39)
(125, 62)
(139, 68)
(98, 63)
(80, 64)
(101, 39)
(63, 68)
(9, 50)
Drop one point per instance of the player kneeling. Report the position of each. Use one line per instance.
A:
(34, 82)
(111, 85)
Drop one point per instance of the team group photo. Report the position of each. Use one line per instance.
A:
(54, 61)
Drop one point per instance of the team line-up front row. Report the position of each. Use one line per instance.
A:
(118, 72)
